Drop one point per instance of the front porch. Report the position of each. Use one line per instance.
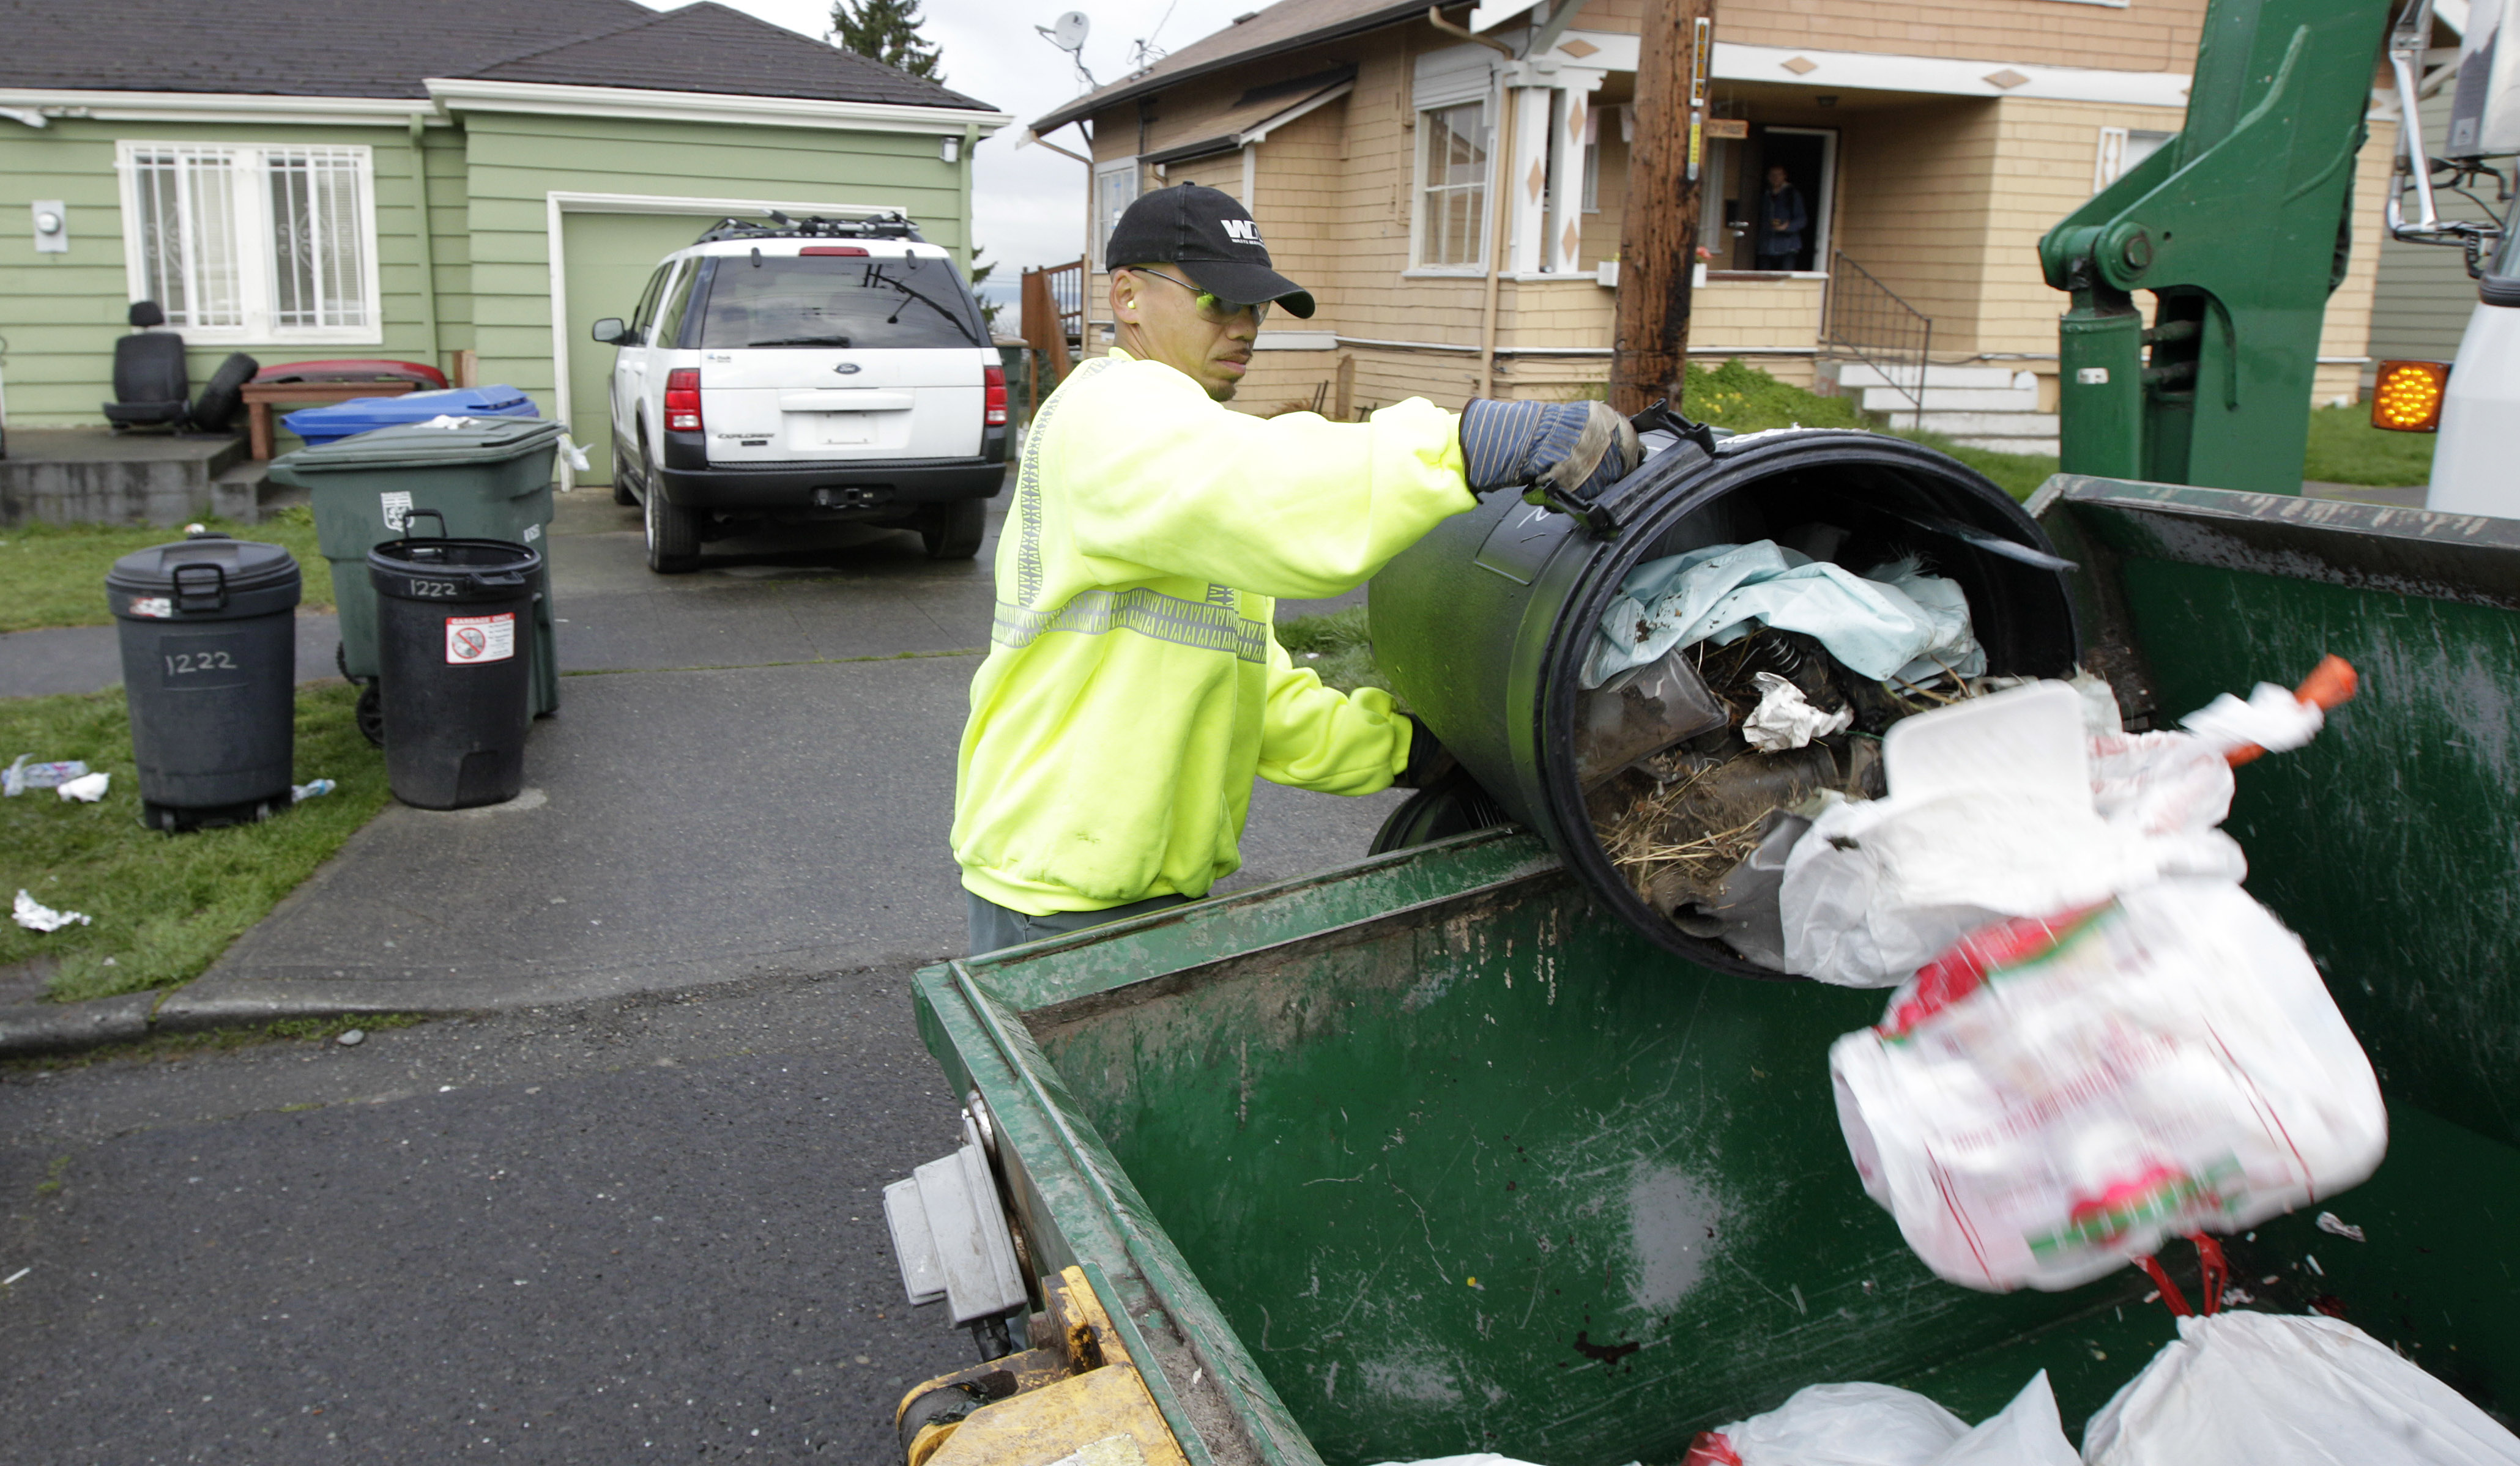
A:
(92, 475)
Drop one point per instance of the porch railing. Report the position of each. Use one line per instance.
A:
(1053, 313)
(1864, 320)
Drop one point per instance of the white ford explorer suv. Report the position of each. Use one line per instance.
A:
(809, 369)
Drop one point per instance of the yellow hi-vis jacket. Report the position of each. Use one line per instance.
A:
(1132, 686)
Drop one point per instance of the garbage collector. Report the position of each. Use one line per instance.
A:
(1132, 686)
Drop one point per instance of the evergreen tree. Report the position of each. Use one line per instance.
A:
(980, 273)
(887, 32)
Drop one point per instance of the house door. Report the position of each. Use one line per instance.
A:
(607, 260)
(1808, 157)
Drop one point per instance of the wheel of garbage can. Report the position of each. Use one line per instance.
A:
(954, 531)
(371, 714)
(673, 533)
(1453, 806)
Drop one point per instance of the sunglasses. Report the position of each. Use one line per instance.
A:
(1211, 308)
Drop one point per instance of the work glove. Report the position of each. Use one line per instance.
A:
(1428, 760)
(1573, 449)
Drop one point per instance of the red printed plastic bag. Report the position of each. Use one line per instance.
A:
(2053, 1098)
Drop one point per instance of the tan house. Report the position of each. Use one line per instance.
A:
(1933, 142)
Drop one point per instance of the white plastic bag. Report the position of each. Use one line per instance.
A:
(1882, 1425)
(1999, 807)
(2059, 1096)
(2294, 1388)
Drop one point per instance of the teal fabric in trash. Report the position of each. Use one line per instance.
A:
(1897, 624)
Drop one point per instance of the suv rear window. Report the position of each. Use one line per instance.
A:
(836, 300)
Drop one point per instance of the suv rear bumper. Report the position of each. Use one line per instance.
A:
(861, 485)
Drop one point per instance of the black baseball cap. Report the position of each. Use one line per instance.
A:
(1213, 240)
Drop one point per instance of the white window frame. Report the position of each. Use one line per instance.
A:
(1488, 190)
(2113, 161)
(1118, 167)
(256, 253)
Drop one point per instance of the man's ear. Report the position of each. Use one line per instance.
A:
(1124, 297)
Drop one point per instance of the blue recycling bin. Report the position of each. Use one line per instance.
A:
(330, 423)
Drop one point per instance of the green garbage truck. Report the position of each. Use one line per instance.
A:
(1431, 1155)
(1460, 1149)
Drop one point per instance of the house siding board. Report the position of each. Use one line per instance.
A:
(2422, 294)
(64, 312)
(2158, 35)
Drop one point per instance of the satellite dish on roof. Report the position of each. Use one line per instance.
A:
(1067, 32)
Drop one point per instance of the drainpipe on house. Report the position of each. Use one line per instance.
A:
(427, 237)
(1498, 214)
(970, 141)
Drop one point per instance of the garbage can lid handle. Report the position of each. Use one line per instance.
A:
(218, 592)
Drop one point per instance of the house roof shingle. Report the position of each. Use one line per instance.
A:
(386, 47)
(1283, 26)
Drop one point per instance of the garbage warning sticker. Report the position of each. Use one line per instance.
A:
(397, 506)
(481, 639)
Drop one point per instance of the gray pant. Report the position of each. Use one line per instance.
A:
(994, 926)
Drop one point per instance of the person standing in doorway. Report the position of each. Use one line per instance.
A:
(1782, 218)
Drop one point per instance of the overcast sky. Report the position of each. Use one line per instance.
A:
(1030, 203)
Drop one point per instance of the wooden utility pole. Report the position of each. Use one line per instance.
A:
(1659, 241)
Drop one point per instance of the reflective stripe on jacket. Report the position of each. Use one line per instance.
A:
(1132, 686)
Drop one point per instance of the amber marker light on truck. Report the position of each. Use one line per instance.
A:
(2407, 396)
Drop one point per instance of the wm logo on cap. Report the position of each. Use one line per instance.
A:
(1241, 231)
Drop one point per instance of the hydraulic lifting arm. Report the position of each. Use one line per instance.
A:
(2239, 227)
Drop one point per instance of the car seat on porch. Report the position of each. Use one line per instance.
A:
(150, 385)
(150, 381)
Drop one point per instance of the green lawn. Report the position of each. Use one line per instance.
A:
(162, 907)
(1745, 399)
(1336, 646)
(2345, 448)
(53, 574)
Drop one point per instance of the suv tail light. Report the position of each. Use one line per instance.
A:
(993, 400)
(683, 399)
(851, 250)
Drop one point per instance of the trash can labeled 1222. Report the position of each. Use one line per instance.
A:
(487, 478)
(454, 637)
(209, 668)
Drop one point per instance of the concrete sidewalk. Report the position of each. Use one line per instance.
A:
(751, 774)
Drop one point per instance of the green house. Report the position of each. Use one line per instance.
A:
(367, 179)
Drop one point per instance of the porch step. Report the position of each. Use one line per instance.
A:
(1852, 375)
(1990, 424)
(2047, 446)
(2024, 399)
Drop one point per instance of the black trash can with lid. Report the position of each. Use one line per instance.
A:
(454, 668)
(209, 672)
(1483, 626)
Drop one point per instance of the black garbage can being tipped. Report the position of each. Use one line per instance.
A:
(454, 623)
(209, 670)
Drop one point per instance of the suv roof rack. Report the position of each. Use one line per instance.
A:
(893, 226)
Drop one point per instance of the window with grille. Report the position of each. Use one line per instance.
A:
(1453, 184)
(253, 243)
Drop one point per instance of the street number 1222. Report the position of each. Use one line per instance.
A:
(180, 662)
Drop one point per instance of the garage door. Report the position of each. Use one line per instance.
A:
(606, 259)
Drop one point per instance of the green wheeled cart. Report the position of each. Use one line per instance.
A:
(1435, 1154)
(488, 479)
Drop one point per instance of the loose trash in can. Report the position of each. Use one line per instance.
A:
(209, 670)
(487, 480)
(1654, 682)
(337, 421)
(453, 620)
